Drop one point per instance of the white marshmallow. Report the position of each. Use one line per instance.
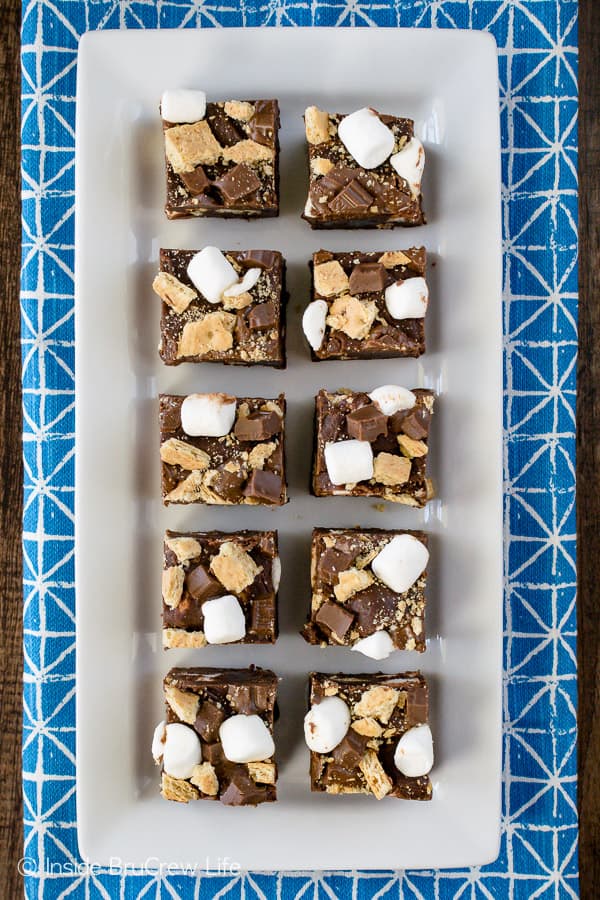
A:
(407, 299)
(313, 322)
(366, 138)
(391, 397)
(250, 278)
(181, 105)
(211, 272)
(414, 753)
(409, 164)
(158, 741)
(246, 739)
(326, 724)
(401, 562)
(378, 645)
(276, 573)
(349, 461)
(224, 620)
(207, 415)
(182, 751)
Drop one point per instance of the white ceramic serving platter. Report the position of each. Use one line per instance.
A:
(446, 81)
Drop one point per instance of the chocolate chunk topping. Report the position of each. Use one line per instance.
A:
(250, 699)
(262, 317)
(353, 196)
(337, 178)
(335, 618)
(332, 562)
(261, 619)
(414, 423)
(238, 182)
(208, 722)
(242, 790)
(350, 751)
(201, 584)
(374, 607)
(264, 486)
(227, 485)
(213, 752)
(366, 423)
(196, 182)
(224, 129)
(261, 127)
(263, 259)
(367, 277)
(258, 426)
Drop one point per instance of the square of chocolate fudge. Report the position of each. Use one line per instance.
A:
(222, 158)
(220, 588)
(367, 305)
(219, 449)
(365, 170)
(242, 324)
(216, 741)
(368, 734)
(368, 590)
(373, 445)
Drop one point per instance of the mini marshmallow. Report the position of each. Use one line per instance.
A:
(207, 415)
(276, 572)
(378, 645)
(182, 751)
(183, 106)
(246, 739)
(158, 741)
(326, 724)
(401, 562)
(390, 398)
(250, 278)
(414, 752)
(349, 461)
(407, 299)
(224, 620)
(211, 273)
(409, 164)
(366, 138)
(313, 322)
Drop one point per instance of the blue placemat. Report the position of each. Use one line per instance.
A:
(537, 41)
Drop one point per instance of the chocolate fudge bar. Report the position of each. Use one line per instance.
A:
(219, 449)
(245, 326)
(373, 445)
(224, 164)
(379, 711)
(364, 598)
(240, 572)
(216, 742)
(367, 305)
(364, 170)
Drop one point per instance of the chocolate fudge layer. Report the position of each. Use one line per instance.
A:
(245, 329)
(344, 194)
(395, 446)
(203, 566)
(351, 602)
(226, 164)
(382, 708)
(202, 700)
(244, 466)
(358, 323)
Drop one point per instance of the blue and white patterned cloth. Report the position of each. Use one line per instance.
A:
(537, 43)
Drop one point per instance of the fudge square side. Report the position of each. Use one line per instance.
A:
(216, 741)
(244, 324)
(379, 723)
(224, 450)
(365, 170)
(220, 588)
(367, 305)
(368, 590)
(226, 162)
(373, 444)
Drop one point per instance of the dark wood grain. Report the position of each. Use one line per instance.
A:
(588, 450)
(10, 460)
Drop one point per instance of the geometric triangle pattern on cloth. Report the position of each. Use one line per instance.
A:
(537, 45)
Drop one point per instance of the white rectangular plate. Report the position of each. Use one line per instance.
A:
(447, 81)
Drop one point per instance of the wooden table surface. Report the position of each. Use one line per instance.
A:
(588, 465)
